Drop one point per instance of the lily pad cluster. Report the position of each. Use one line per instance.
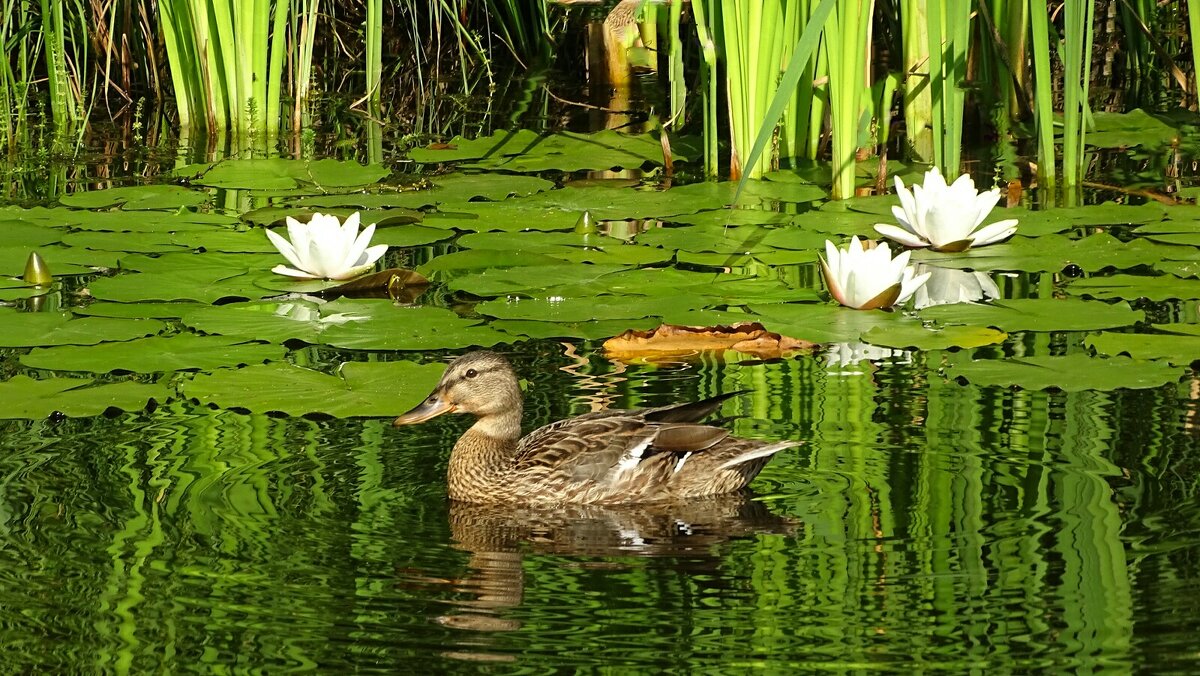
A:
(166, 292)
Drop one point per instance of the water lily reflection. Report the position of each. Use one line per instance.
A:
(842, 355)
(946, 286)
(864, 275)
(325, 248)
(945, 217)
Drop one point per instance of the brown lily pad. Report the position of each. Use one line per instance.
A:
(670, 341)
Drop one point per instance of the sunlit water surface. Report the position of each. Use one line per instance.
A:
(923, 524)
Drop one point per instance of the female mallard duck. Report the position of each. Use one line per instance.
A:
(605, 457)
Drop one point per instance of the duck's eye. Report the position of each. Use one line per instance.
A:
(471, 373)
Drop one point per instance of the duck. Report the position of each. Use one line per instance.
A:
(608, 457)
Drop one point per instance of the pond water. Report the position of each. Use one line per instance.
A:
(922, 525)
(190, 480)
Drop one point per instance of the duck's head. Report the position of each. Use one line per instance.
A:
(480, 383)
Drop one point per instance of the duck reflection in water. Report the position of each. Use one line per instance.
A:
(499, 536)
(646, 482)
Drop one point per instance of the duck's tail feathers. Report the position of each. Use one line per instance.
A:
(760, 452)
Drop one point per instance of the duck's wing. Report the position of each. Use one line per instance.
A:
(612, 449)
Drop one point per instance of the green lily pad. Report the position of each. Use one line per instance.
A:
(62, 261)
(611, 204)
(136, 197)
(150, 355)
(24, 397)
(589, 330)
(1132, 287)
(19, 234)
(1135, 128)
(277, 322)
(924, 338)
(207, 285)
(33, 329)
(381, 325)
(1051, 253)
(575, 310)
(1176, 349)
(142, 221)
(528, 281)
(826, 323)
(846, 224)
(142, 310)
(359, 389)
(1037, 314)
(479, 259)
(499, 144)
(744, 239)
(287, 174)
(564, 151)
(278, 215)
(509, 216)
(731, 217)
(1179, 268)
(1072, 373)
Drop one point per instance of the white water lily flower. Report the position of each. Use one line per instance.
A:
(325, 248)
(946, 286)
(866, 277)
(945, 217)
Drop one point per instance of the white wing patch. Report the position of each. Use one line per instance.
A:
(633, 456)
(679, 463)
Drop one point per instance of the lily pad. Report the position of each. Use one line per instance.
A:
(1132, 287)
(155, 354)
(201, 285)
(384, 326)
(359, 389)
(567, 151)
(589, 330)
(1135, 128)
(509, 216)
(610, 204)
(826, 323)
(1176, 349)
(1051, 253)
(924, 338)
(136, 197)
(1037, 314)
(25, 397)
(1072, 373)
(530, 281)
(61, 261)
(33, 329)
(574, 310)
(277, 322)
(287, 174)
(142, 310)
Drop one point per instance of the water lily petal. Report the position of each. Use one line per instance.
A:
(298, 274)
(354, 253)
(984, 203)
(910, 283)
(373, 254)
(900, 235)
(285, 247)
(994, 232)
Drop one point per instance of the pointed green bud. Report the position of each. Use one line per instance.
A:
(36, 271)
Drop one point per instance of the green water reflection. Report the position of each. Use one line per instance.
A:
(924, 524)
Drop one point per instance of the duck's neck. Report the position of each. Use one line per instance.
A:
(483, 454)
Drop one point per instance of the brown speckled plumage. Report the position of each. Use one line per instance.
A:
(606, 457)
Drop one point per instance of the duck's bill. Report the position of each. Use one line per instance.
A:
(432, 407)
